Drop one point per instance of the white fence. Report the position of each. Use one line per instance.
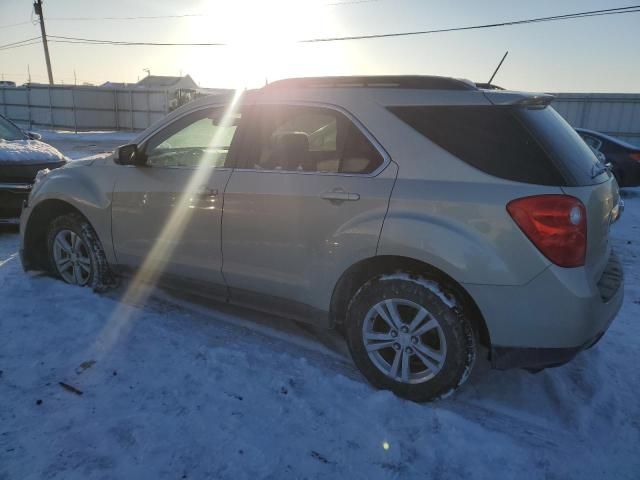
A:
(83, 107)
(98, 108)
(616, 114)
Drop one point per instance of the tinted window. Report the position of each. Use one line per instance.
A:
(309, 139)
(201, 138)
(8, 131)
(492, 139)
(578, 163)
(591, 141)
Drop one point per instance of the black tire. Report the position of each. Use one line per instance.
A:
(452, 326)
(100, 277)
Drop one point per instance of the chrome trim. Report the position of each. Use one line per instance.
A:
(16, 186)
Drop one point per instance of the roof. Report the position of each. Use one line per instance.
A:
(167, 81)
(418, 82)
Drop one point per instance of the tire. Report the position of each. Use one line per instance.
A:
(76, 254)
(440, 349)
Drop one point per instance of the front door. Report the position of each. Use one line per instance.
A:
(167, 214)
(306, 201)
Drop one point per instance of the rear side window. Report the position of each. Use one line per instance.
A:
(492, 139)
(577, 161)
(308, 139)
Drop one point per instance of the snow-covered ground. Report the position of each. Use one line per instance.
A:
(177, 389)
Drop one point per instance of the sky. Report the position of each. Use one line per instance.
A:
(597, 54)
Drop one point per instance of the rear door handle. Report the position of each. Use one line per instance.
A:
(340, 196)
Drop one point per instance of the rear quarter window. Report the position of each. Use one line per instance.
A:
(501, 141)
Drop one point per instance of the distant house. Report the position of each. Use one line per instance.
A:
(162, 82)
(158, 82)
(180, 90)
(167, 83)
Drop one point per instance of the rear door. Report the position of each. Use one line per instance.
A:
(167, 215)
(306, 201)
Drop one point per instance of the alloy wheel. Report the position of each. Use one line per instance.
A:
(71, 257)
(404, 341)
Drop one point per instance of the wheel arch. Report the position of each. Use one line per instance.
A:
(362, 271)
(34, 243)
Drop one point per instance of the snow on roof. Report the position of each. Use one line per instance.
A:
(28, 152)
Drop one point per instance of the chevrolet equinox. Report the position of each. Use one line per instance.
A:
(424, 216)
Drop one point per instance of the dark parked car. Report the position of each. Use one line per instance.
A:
(22, 155)
(623, 157)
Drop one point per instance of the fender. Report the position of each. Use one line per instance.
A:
(473, 244)
(85, 187)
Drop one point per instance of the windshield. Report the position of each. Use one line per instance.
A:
(8, 131)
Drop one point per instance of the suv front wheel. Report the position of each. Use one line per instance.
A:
(408, 336)
(76, 254)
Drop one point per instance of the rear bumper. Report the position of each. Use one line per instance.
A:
(549, 320)
(504, 358)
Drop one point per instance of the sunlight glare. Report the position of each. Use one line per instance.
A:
(156, 260)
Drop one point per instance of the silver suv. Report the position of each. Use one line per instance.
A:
(425, 216)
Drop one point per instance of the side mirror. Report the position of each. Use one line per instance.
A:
(34, 135)
(128, 155)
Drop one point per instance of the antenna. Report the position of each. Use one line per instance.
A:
(498, 67)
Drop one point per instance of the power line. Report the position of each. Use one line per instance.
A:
(570, 16)
(35, 42)
(15, 24)
(154, 17)
(21, 41)
(185, 15)
(89, 41)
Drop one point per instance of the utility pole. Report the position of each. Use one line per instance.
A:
(37, 6)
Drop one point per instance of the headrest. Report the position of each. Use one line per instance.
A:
(292, 151)
(294, 143)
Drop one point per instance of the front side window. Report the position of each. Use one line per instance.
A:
(309, 139)
(202, 138)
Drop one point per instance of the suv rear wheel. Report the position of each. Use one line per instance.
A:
(406, 335)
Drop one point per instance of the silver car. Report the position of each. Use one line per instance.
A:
(423, 215)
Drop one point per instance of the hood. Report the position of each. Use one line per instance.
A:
(28, 152)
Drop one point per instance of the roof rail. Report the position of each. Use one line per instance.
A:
(418, 82)
(488, 86)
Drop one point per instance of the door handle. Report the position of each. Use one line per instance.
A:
(340, 195)
(207, 192)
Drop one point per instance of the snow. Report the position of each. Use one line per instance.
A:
(448, 300)
(80, 145)
(189, 389)
(28, 152)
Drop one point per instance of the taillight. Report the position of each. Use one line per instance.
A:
(556, 224)
(635, 156)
